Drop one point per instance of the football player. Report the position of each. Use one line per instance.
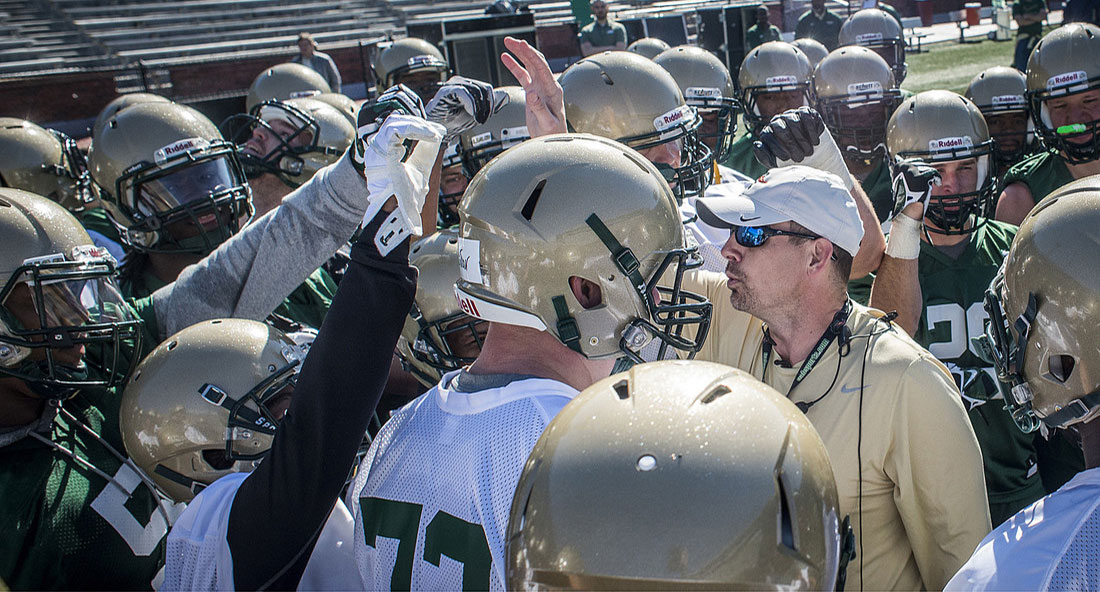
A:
(67, 340)
(413, 62)
(855, 92)
(285, 81)
(876, 30)
(563, 241)
(999, 93)
(46, 162)
(750, 505)
(774, 77)
(1063, 91)
(944, 253)
(1042, 336)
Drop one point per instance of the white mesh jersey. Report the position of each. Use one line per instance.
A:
(198, 556)
(1053, 544)
(432, 497)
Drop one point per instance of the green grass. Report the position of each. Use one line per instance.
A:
(951, 66)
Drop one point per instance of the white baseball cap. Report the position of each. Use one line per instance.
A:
(817, 200)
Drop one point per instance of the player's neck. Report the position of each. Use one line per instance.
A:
(168, 266)
(18, 404)
(268, 192)
(798, 331)
(520, 350)
(1078, 171)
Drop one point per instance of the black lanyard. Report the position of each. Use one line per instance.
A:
(835, 328)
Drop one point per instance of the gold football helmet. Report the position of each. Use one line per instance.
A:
(880, 32)
(504, 129)
(207, 401)
(530, 223)
(63, 324)
(42, 161)
(438, 337)
(1001, 91)
(707, 86)
(342, 103)
(625, 97)
(1062, 65)
(813, 49)
(413, 62)
(937, 126)
(291, 139)
(771, 68)
(169, 181)
(855, 92)
(677, 475)
(1043, 310)
(649, 47)
(121, 102)
(285, 81)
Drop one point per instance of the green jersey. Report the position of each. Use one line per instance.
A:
(879, 190)
(742, 158)
(1042, 173)
(757, 35)
(68, 527)
(609, 33)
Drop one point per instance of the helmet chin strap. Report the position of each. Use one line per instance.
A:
(36, 373)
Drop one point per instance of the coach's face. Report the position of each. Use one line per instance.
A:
(754, 274)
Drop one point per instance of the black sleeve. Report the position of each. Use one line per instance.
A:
(282, 506)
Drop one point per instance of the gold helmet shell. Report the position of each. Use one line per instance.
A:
(342, 103)
(855, 92)
(285, 81)
(706, 84)
(42, 161)
(937, 126)
(1065, 63)
(530, 223)
(436, 321)
(698, 476)
(877, 30)
(649, 47)
(625, 97)
(772, 67)
(1044, 308)
(1001, 90)
(200, 406)
(159, 164)
(504, 129)
(51, 271)
(815, 51)
(121, 102)
(408, 56)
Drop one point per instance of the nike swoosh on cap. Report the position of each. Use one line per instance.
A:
(744, 219)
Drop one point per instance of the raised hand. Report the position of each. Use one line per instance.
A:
(545, 102)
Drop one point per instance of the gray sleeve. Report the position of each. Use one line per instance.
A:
(334, 75)
(251, 273)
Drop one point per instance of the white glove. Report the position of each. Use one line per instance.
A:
(397, 160)
(912, 182)
(461, 103)
(799, 136)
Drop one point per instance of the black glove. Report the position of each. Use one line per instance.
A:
(912, 181)
(461, 103)
(789, 138)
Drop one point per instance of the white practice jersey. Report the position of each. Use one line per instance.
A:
(432, 497)
(198, 556)
(709, 238)
(1053, 544)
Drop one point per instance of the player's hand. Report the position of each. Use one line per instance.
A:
(396, 99)
(461, 103)
(799, 136)
(912, 182)
(397, 162)
(545, 101)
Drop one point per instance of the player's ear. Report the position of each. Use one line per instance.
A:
(587, 293)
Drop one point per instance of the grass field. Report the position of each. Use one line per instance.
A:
(950, 66)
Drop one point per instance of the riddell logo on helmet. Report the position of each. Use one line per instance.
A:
(421, 60)
(702, 92)
(780, 80)
(1008, 100)
(177, 148)
(672, 118)
(868, 38)
(1067, 78)
(949, 144)
(860, 88)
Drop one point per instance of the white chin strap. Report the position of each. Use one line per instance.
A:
(983, 170)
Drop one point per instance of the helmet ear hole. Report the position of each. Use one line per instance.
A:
(215, 457)
(1060, 367)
